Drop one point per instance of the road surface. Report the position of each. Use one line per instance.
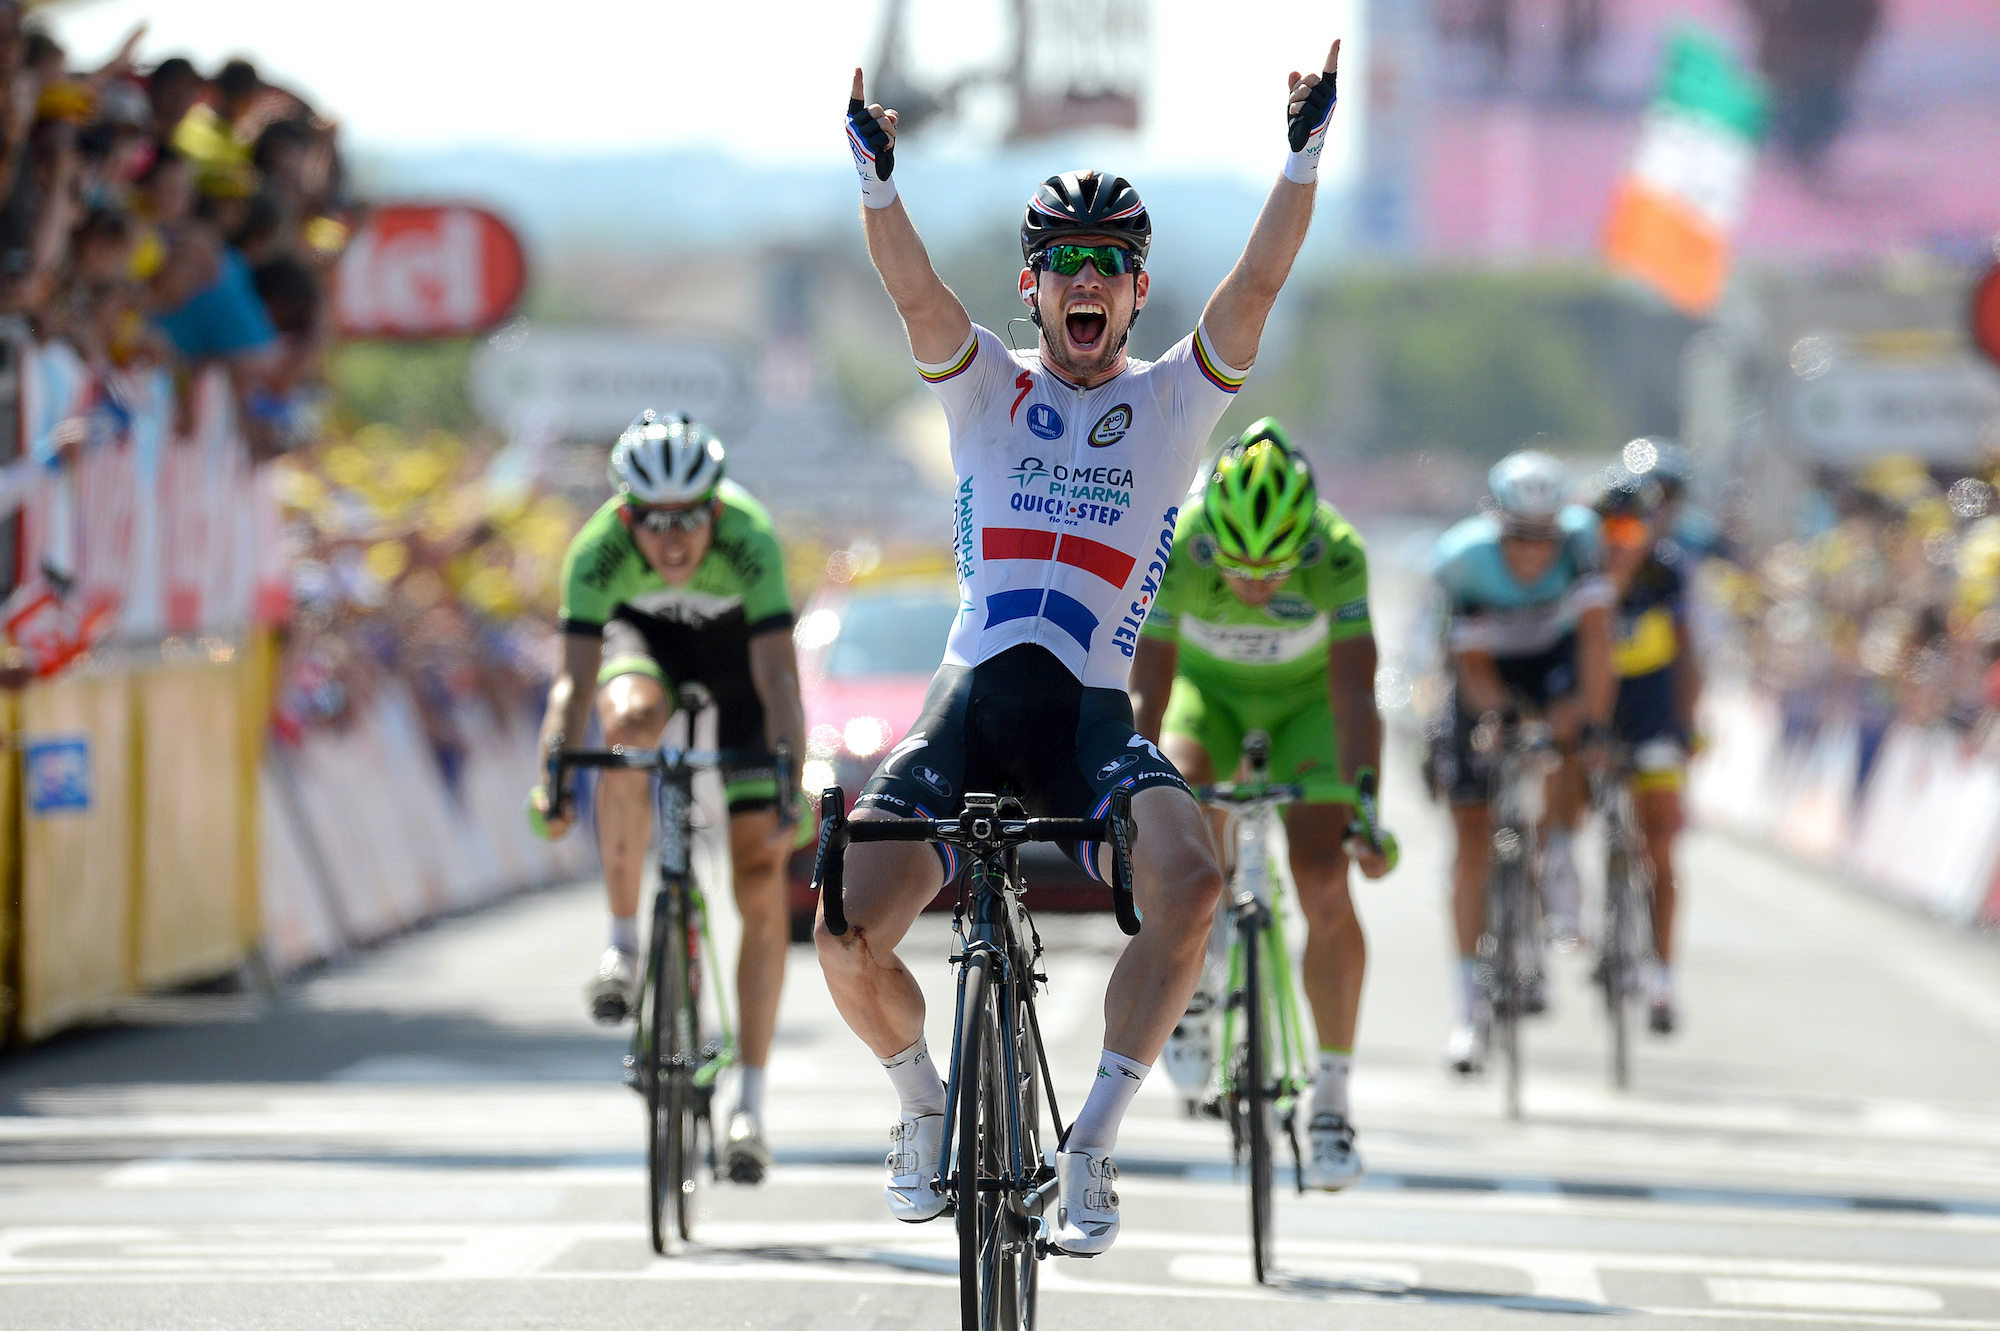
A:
(431, 1135)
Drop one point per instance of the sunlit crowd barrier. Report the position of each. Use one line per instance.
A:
(1923, 827)
(151, 835)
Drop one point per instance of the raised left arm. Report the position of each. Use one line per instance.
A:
(1234, 318)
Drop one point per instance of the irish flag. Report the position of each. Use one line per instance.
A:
(1679, 204)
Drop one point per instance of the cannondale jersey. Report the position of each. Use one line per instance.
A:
(1067, 497)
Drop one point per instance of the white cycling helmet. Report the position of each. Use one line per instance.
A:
(665, 460)
(1529, 488)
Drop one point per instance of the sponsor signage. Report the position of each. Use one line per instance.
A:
(594, 381)
(58, 772)
(429, 270)
(1943, 411)
(1986, 314)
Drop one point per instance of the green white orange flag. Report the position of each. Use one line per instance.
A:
(1678, 206)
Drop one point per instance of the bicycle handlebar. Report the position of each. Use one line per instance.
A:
(977, 831)
(632, 758)
(1248, 792)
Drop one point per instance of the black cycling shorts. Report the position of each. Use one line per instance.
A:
(636, 643)
(1534, 681)
(1019, 724)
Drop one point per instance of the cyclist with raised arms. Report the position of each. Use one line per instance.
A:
(1659, 684)
(1072, 462)
(1528, 625)
(1261, 623)
(678, 580)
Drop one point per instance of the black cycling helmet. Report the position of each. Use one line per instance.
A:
(1615, 490)
(1080, 203)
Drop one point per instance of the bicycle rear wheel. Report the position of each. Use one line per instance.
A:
(1255, 1090)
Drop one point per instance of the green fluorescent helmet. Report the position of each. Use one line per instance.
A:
(1260, 502)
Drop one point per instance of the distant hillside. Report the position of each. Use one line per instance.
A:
(695, 200)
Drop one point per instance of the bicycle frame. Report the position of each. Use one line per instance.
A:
(1508, 953)
(999, 1241)
(1255, 909)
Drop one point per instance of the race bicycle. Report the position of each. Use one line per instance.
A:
(674, 1062)
(998, 1180)
(1627, 936)
(1267, 1066)
(1508, 957)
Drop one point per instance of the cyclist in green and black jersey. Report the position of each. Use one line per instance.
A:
(679, 580)
(1261, 623)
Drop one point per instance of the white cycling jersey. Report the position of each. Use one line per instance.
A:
(1067, 496)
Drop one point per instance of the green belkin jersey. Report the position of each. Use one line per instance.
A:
(740, 582)
(1225, 643)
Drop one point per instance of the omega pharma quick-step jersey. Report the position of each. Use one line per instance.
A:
(1067, 497)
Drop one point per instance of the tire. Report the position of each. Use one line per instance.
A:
(1022, 1277)
(1618, 959)
(974, 1223)
(669, 1048)
(1511, 976)
(655, 1033)
(1256, 1091)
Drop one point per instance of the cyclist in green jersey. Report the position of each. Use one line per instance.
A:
(1261, 622)
(678, 580)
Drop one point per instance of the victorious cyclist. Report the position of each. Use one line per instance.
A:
(1072, 462)
(678, 580)
(1262, 623)
(1529, 624)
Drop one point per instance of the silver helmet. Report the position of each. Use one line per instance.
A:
(665, 460)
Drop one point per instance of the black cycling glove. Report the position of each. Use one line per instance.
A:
(874, 154)
(1306, 131)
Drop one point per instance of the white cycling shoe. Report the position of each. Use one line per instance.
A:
(1087, 1218)
(613, 993)
(1190, 1051)
(1335, 1163)
(746, 1159)
(915, 1144)
(1465, 1048)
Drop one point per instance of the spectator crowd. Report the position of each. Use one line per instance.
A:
(1886, 611)
(168, 217)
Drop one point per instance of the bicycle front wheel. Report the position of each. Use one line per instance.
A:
(1618, 960)
(672, 1110)
(975, 1210)
(1513, 973)
(1256, 1092)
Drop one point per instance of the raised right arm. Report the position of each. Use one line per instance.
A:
(933, 317)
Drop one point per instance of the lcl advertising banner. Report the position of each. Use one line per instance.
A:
(429, 270)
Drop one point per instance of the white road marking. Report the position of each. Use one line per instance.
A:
(1832, 1295)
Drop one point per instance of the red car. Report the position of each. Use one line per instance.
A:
(868, 647)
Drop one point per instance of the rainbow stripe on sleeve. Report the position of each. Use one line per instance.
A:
(1214, 370)
(957, 367)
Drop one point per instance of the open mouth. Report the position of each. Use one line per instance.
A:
(1085, 325)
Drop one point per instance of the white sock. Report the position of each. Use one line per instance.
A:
(625, 934)
(1096, 1125)
(1560, 889)
(1330, 1086)
(1658, 979)
(750, 1093)
(1468, 988)
(916, 1080)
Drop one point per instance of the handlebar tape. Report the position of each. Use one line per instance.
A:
(830, 863)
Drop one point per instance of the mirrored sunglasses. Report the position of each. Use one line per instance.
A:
(660, 521)
(1109, 260)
